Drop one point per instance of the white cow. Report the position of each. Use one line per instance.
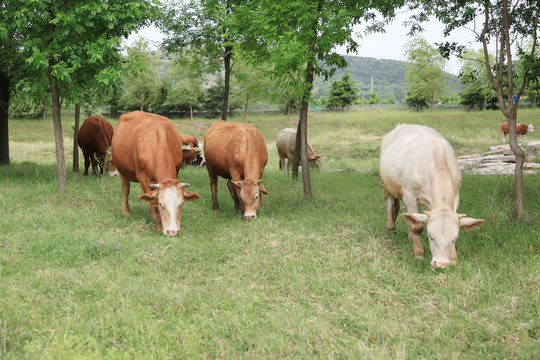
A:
(418, 166)
(286, 144)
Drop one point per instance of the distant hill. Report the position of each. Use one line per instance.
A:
(388, 78)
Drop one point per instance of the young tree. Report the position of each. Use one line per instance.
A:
(342, 93)
(425, 76)
(506, 25)
(300, 36)
(142, 81)
(477, 90)
(202, 25)
(62, 39)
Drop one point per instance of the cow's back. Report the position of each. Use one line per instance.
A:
(95, 135)
(234, 147)
(145, 142)
(411, 155)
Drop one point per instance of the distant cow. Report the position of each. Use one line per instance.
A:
(94, 139)
(237, 152)
(189, 140)
(521, 129)
(189, 156)
(417, 165)
(286, 144)
(146, 149)
(199, 161)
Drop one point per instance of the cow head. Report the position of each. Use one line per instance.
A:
(315, 161)
(169, 196)
(530, 128)
(250, 194)
(106, 162)
(443, 229)
(109, 165)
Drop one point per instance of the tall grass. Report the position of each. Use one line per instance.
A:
(307, 279)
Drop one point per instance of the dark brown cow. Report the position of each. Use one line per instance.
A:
(521, 129)
(189, 156)
(146, 149)
(189, 140)
(237, 152)
(94, 139)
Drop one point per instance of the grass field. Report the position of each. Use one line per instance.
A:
(306, 279)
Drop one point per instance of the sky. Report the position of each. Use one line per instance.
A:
(388, 45)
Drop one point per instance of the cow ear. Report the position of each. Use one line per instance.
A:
(470, 223)
(149, 196)
(154, 186)
(238, 184)
(262, 189)
(190, 196)
(415, 219)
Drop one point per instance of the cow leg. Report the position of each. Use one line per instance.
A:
(94, 165)
(125, 192)
(392, 210)
(234, 194)
(504, 138)
(415, 232)
(214, 188)
(282, 163)
(86, 162)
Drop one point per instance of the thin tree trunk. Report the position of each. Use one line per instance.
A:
(289, 109)
(227, 64)
(58, 139)
(5, 83)
(246, 107)
(485, 103)
(432, 101)
(44, 111)
(75, 133)
(191, 112)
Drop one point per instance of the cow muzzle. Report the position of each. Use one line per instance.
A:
(439, 264)
(171, 232)
(250, 216)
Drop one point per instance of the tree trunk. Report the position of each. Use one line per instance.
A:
(5, 83)
(58, 139)
(75, 143)
(246, 107)
(289, 109)
(227, 64)
(44, 110)
(485, 103)
(432, 101)
(191, 112)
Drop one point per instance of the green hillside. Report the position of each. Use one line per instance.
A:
(388, 78)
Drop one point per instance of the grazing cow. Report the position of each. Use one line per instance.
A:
(189, 140)
(146, 149)
(521, 129)
(189, 156)
(418, 166)
(237, 152)
(286, 144)
(94, 139)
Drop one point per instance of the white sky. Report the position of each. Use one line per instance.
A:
(389, 45)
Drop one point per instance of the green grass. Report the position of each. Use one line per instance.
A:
(307, 279)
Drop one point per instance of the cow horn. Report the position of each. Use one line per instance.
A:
(459, 216)
(154, 186)
(185, 184)
(259, 182)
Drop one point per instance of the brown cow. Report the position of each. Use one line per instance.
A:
(189, 156)
(521, 129)
(237, 152)
(94, 139)
(146, 149)
(189, 140)
(286, 144)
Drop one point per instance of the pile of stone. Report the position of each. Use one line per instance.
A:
(501, 160)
